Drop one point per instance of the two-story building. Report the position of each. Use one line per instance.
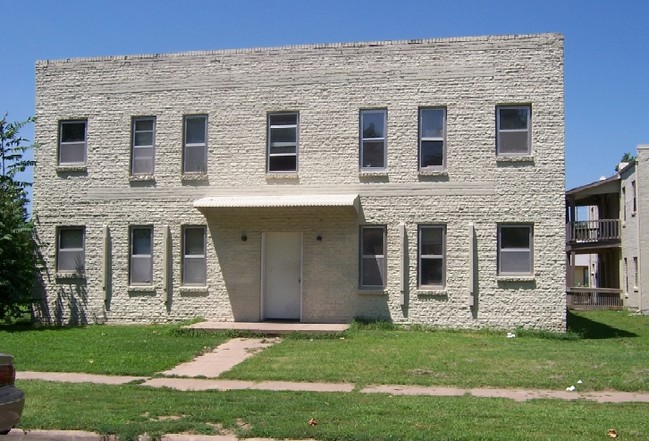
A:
(605, 227)
(416, 181)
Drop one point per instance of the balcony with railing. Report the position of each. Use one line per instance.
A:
(594, 298)
(601, 231)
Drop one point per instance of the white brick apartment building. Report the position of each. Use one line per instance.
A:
(416, 181)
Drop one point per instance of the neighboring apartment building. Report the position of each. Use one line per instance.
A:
(415, 181)
(614, 235)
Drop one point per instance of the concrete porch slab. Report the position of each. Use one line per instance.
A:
(273, 328)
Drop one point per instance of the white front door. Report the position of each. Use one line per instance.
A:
(282, 273)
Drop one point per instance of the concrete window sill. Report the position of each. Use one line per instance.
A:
(144, 289)
(425, 172)
(372, 292)
(194, 290)
(141, 178)
(431, 292)
(509, 159)
(515, 278)
(373, 173)
(70, 276)
(71, 168)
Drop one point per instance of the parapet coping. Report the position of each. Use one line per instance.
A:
(359, 44)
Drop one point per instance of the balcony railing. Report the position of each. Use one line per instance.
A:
(593, 231)
(591, 298)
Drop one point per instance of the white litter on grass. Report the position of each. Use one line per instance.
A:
(571, 388)
(579, 382)
(511, 335)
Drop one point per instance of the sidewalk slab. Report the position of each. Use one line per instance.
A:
(394, 389)
(512, 394)
(55, 435)
(197, 384)
(221, 359)
(66, 377)
(303, 387)
(80, 435)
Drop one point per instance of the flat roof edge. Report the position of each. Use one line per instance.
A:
(549, 35)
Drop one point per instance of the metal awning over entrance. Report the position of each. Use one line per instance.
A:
(270, 201)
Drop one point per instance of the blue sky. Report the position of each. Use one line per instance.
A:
(606, 47)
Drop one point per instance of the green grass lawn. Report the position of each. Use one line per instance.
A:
(606, 350)
(99, 349)
(131, 410)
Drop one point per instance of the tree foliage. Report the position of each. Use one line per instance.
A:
(17, 245)
(627, 157)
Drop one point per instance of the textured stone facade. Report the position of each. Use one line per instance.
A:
(327, 85)
(634, 180)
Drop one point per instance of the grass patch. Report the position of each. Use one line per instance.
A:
(100, 349)
(604, 349)
(131, 410)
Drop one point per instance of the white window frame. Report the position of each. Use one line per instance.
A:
(188, 257)
(271, 143)
(133, 257)
(421, 256)
(135, 147)
(529, 248)
(381, 259)
(81, 252)
(423, 139)
(196, 145)
(500, 131)
(383, 139)
(65, 144)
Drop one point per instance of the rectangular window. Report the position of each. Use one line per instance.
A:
(432, 136)
(194, 268)
(373, 139)
(515, 249)
(143, 142)
(72, 142)
(513, 130)
(282, 142)
(141, 256)
(635, 273)
(195, 144)
(372, 274)
(633, 196)
(431, 252)
(624, 204)
(70, 253)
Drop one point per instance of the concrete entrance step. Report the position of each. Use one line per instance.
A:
(273, 328)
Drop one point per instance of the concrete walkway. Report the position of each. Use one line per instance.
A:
(223, 358)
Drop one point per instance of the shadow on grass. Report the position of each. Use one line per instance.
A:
(590, 329)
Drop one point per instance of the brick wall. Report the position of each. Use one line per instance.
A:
(327, 85)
